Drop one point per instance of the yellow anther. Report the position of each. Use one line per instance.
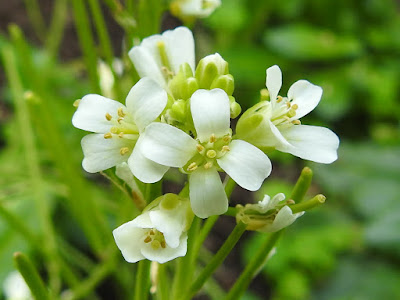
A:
(155, 244)
(163, 244)
(123, 150)
(227, 138)
(76, 102)
(225, 149)
(211, 153)
(121, 135)
(213, 138)
(147, 239)
(108, 135)
(208, 165)
(121, 112)
(192, 166)
(151, 232)
(296, 122)
(279, 99)
(288, 104)
(199, 148)
(290, 202)
(108, 117)
(120, 119)
(295, 106)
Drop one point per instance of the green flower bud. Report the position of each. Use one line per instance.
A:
(209, 68)
(224, 82)
(178, 110)
(235, 110)
(183, 85)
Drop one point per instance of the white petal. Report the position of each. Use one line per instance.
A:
(179, 47)
(101, 154)
(284, 218)
(267, 203)
(124, 172)
(163, 255)
(274, 82)
(143, 168)
(146, 64)
(167, 145)
(246, 164)
(195, 8)
(306, 95)
(207, 194)
(210, 112)
(313, 143)
(129, 239)
(91, 113)
(280, 139)
(145, 101)
(170, 224)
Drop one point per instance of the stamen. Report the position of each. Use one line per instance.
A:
(108, 135)
(199, 148)
(193, 166)
(76, 102)
(120, 119)
(227, 138)
(121, 135)
(213, 138)
(121, 112)
(114, 130)
(290, 202)
(291, 113)
(123, 150)
(225, 149)
(208, 165)
(211, 153)
(151, 232)
(147, 239)
(295, 106)
(108, 117)
(279, 99)
(163, 244)
(288, 104)
(296, 122)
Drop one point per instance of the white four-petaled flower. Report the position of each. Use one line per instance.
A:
(281, 128)
(117, 127)
(195, 8)
(158, 234)
(202, 157)
(159, 56)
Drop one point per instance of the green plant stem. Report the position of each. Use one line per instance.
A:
(142, 284)
(306, 205)
(31, 277)
(36, 18)
(57, 25)
(217, 260)
(87, 43)
(253, 267)
(302, 185)
(33, 165)
(162, 284)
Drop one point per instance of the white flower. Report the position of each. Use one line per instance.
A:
(194, 8)
(15, 287)
(281, 127)
(159, 56)
(117, 127)
(158, 234)
(202, 157)
(267, 215)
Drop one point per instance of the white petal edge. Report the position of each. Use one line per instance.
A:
(163, 255)
(247, 165)
(91, 113)
(284, 218)
(145, 102)
(101, 154)
(280, 139)
(167, 145)
(273, 82)
(210, 112)
(306, 95)
(144, 169)
(171, 224)
(207, 194)
(313, 143)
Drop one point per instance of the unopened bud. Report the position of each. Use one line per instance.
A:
(209, 68)
(224, 82)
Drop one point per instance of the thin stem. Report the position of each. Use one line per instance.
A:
(142, 284)
(36, 18)
(217, 260)
(162, 284)
(302, 185)
(253, 267)
(55, 33)
(306, 205)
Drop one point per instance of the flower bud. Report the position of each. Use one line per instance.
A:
(224, 82)
(209, 68)
(183, 85)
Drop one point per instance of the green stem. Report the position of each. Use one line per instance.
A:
(35, 16)
(31, 276)
(87, 43)
(162, 284)
(55, 33)
(216, 260)
(302, 185)
(306, 205)
(142, 284)
(253, 267)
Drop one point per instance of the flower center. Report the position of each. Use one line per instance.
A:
(282, 113)
(208, 152)
(123, 128)
(155, 238)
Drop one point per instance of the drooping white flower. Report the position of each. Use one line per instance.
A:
(211, 150)
(117, 127)
(194, 8)
(267, 215)
(278, 125)
(15, 287)
(158, 234)
(159, 56)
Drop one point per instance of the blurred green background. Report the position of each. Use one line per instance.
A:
(347, 249)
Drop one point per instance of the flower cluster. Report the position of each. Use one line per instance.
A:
(179, 115)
